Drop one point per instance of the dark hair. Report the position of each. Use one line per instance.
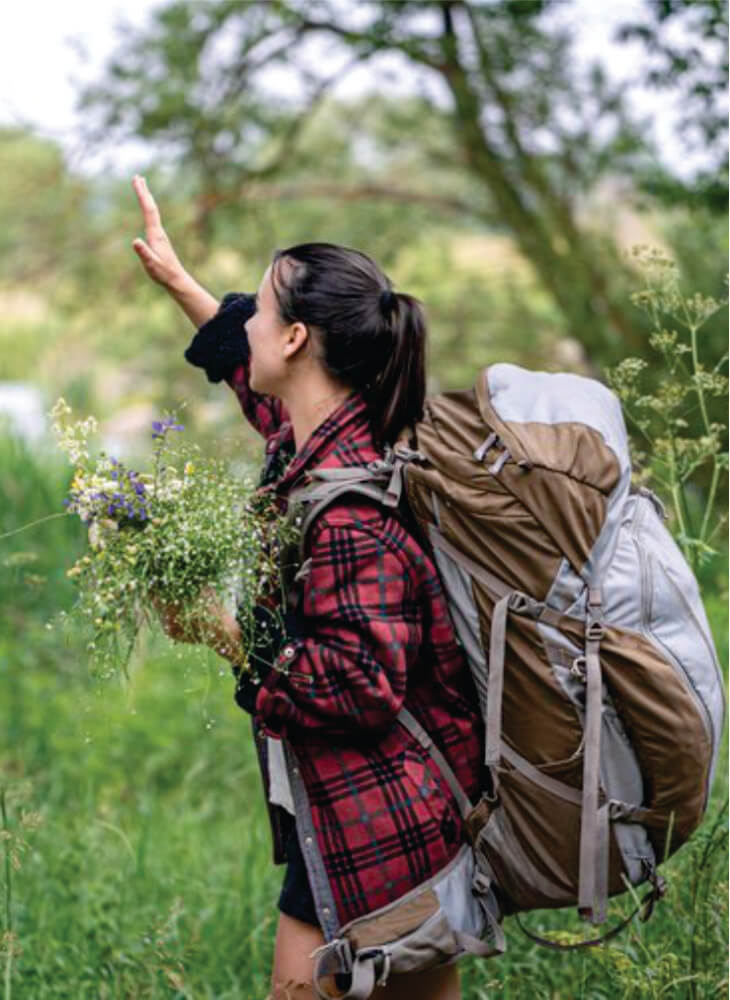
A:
(370, 337)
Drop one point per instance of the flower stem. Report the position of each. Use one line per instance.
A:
(49, 517)
(8, 866)
(710, 497)
(8, 898)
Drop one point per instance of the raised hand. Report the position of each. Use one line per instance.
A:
(156, 253)
(163, 265)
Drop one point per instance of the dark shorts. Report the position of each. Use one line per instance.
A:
(296, 898)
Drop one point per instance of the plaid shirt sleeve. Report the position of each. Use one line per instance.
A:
(221, 348)
(361, 630)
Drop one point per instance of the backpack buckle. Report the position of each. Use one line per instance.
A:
(523, 604)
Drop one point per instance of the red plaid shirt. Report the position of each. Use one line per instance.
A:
(376, 635)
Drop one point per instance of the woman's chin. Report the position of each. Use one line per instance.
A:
(256, 386)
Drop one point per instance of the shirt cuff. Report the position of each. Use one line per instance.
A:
(272, 705)
(246, 691)
(221, 344)
(254, 696)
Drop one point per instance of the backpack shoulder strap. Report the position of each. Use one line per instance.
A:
(380, 481)
(318, 500)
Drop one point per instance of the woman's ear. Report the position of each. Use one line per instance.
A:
(296, 337)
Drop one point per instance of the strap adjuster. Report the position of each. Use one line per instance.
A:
(595, 631)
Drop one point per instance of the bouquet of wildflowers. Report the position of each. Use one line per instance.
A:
(165, 536)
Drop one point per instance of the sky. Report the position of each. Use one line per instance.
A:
(46, 47)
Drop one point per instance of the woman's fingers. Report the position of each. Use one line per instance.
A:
(152, 263)
(156, 252)
(145, 253)
(150, 211)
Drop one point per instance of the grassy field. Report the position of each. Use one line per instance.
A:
(137, 844)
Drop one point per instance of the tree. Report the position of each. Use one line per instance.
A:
(521, 129)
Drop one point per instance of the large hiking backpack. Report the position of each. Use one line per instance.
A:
(582, 623)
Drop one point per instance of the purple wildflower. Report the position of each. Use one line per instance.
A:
(161, 427)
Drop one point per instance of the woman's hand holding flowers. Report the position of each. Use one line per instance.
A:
(172, 543)
(209, 623)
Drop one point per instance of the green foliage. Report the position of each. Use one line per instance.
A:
(674, 456)
(688, 44)
(522, 136)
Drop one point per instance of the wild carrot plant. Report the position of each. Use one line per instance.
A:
(680, 439)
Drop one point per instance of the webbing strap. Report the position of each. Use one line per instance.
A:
(593, 857)
(363, 979)
(387, 470)
(602, 849)
(497, 642)
(506, 600)
(351, 473)
(321, 496)
(416, 729)
(537, 777)
(495, 587)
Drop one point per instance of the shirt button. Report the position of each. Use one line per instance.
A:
(308, 841)
(325, 911)
(295, 771)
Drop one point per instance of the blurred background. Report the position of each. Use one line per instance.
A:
(499, 159)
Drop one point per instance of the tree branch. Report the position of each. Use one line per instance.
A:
(355, 192)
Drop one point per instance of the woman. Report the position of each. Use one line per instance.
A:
(328, 365)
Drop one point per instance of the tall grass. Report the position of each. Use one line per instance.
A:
(150, 872)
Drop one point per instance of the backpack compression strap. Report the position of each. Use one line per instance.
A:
(593, 864)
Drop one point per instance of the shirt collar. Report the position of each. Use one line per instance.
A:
(343, 438)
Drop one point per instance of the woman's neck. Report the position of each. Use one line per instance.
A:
(310, 405)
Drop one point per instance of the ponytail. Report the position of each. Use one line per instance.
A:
(397, 393)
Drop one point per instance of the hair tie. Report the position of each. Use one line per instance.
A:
(387, 301)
